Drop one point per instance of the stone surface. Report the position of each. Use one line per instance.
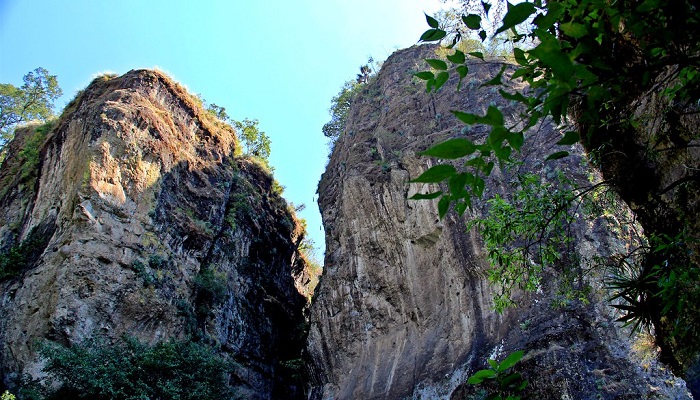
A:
(135, 196)
(404, 309)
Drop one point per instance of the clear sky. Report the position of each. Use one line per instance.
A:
(277, 61)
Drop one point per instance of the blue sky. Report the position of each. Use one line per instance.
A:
(277, 61)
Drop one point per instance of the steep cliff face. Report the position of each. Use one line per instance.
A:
(404, 308)
(131, 215)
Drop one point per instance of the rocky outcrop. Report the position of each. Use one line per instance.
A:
(133, 215)
(404, 309)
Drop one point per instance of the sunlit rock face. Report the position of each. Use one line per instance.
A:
(138, 219)
(405, 309)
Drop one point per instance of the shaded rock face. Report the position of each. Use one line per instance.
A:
(652, 158)
(137, 219)
(404, 309)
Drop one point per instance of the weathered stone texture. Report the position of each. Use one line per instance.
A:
(136, 193)
(404, 308)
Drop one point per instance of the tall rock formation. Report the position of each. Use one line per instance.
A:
(132, 215)
(404, 309)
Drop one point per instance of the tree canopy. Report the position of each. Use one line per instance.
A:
(255, 142)
(340, 106)
(34, 100)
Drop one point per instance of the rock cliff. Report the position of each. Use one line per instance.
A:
(132, 214)
(404, 309)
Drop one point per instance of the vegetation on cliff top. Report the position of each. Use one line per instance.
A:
(34, 100)
(341, 103)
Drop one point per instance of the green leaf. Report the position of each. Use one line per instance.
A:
(569, 138)
(488, 168)
(574, 30)
(451, 149)
(511, 380)
(496, 80)
(472, 21)
(429, 85)
(426, 196)
(517, 96)
(482, 35)
(456, 184)
(519, 56)
(477, 163)
(516, 140)
(502, 153)
(462, 70)
(515, 15)
(550, 53)
(513, 358)
(425, 75)
(519, 73)
(477, 54)
(432, 22)
(486, 7)
(478, 186)
(479, 376)
(467, 118)
(436, 174)
(437, 64)
(443, 206)
(554, 10)
(433, 35)
(493, 117)
(493, 364)
(557, 155)
(457, 58)
(440, 79)
(648, 6)
(461, 207)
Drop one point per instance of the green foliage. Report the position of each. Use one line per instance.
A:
(211, 284)
(668, 287)
(218, 112)
(156, 261)
(503, 385)
(130, 369)
(32, 101)
(277, 188)
(525, 234)
(149, 279)
(340, 106)
(18, 258)
(460, 27)
(7, 396)
(211, 288)
(255, 141)
(591, 58)
(572, 60)
(13, 262)
(26, 169)
(340, 103)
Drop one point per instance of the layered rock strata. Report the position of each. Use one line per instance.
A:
(405, 309)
